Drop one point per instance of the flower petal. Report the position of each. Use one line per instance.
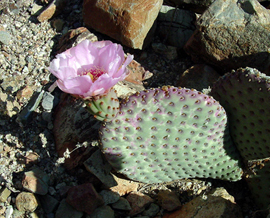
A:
(78, 85)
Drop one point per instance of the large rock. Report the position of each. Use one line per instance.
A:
(198, 6)
(232, 34)
(218, 204)
(126, 21)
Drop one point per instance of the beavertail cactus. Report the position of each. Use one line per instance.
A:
(104, 107)
(170, 133)
(245, 95)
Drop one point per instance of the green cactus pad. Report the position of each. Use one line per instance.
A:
(245, 95)
(170, 133)
(104, 107)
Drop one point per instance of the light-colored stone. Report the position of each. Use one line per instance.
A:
(4, 194)
(124, 186)
(210, 206)
(232, 34)
(126, 21)
(26, 201)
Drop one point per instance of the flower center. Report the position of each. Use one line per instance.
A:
(94, 73)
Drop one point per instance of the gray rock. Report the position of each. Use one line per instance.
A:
(67, 211)
(198, 6)
(109, 197)
(175, 25)
(4, 37)
(232, 34)
(151, 211)
(47, 101)
(48, 203)
(102, 212)
(97, 165)
(121, 204)
(9, 211)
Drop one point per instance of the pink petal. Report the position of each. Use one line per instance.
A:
(77, 85)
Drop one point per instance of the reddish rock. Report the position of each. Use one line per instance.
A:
(138, 202)
(73, 37)
(231, 35)
(52, 9)
(73, 124)
(36, 181)
(199, 77)
(210, 206)
(126, 21)
(168, 200)
(84, 198)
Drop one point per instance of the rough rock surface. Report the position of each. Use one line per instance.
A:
(215, 205)
(232, 34)
(126, 21)
(175, 25)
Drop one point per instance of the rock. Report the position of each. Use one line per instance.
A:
(211, 205)
(73, 124)
(231, 35)
(126, 21)
(138, 202)
(58, 25)
(31, 158)
(124, 186)
(151, 211)
(175, 26)
(26, 201)
(48, 203)
(168, 200)
(47, 101)
(199, 77)
(36, 181)
(169, 52)
(73, 37)
(67, 211)
(102, 212)
(98, 165)
(109, 197)
(52, 9)
(26, 92)
(121, 204)
(84, 198)
(198, 6)
(9, 211)
(4, 194)
(5, 37)
(137, 73)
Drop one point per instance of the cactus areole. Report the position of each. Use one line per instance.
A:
(170, 133)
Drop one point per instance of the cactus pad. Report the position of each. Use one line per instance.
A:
(245, 95)
(170, 133)
(104, 107)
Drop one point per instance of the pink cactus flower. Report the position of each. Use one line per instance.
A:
(90, 68)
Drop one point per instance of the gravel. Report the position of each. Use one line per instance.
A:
(26, 104)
